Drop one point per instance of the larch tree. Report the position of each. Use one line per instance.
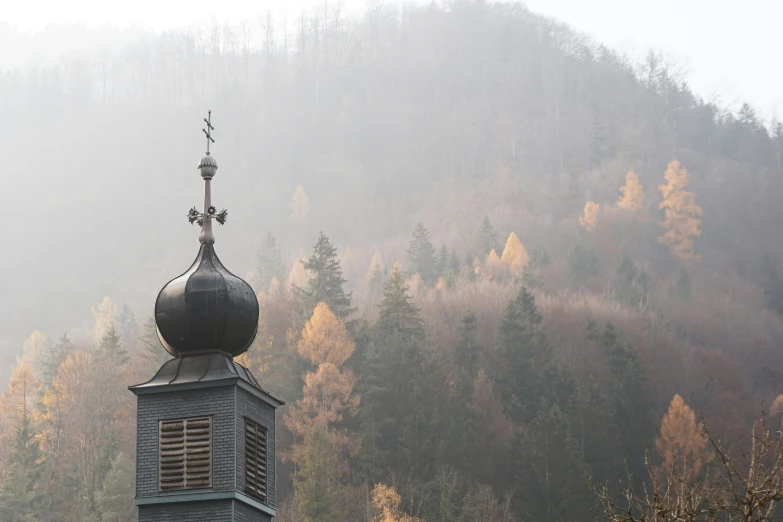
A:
(494, 268)
(386, 505)
(682, 216)
(631, 194)
(589, 218)
(514, 255)
(106, 315)
(421, 254)
(33, 350)
(325, 338)
(681, 441)
(300, 204)
(376, 269)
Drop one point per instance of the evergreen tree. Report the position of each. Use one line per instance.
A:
(54, 357)
(319, 494)
(421, 254)
(486, 240)
(111, 347)
(399, 317)
(19, 498)
(326, 280)
(442, 262)
(126, 325)
(467, 350)
(114, 501)
(269, 263)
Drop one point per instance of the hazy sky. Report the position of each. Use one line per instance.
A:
(727, 46)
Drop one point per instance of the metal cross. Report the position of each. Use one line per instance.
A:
(208, 132)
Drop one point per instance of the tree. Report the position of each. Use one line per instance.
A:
(632, 193)
(54, 357)
(318, 491)
(515, 255)
(269, 263)
(386, 505)
(682, 216)
(111, 348)
(300, 204)
(326, 280)
(325, 338)
(494, 267)
(486, 239)
(106, 315)
(589, 218)
(376, 269)
(421, 254)
(746, 485)
(114, 501)
(127, 328)
(398, 316)
(681, 439)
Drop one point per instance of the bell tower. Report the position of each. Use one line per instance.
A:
(205, 428)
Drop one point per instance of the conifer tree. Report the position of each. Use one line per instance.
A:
(375, 272)
(326, 280)
(399, 317)
(421, 254)
(114, 501)
(300, 204)
(631, 194)
(54, 357)
(386, 505)
(680, 442)
(269, 263)
(325, 338)
(494, 268)
(682, 216)
(589, 218)
(126, 326)
(319, 496)
(514, 255)
(486, 239)
(467, 351)
(111, 347)
(442, 263)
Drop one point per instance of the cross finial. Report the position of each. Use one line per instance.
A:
(209, 129)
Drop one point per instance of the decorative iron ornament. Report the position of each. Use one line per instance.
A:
(208, 166)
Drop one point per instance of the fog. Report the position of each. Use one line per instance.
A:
(360, 121)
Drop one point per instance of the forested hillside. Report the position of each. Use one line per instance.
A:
(490, 255)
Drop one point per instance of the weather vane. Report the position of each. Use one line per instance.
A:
(208, 168)
(208, 121)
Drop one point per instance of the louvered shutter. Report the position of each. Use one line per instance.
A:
(185, 458)
(255, 460)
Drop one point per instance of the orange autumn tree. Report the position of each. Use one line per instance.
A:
(631, 194)
(590, 217)
(386, 505)
(682, 216)
(514, 254)
(681, 441)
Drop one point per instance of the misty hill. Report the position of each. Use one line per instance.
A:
(432, 113)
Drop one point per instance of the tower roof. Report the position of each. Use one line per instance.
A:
(207, 309)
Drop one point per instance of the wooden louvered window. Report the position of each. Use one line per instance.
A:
(255, 460)
(185, 459)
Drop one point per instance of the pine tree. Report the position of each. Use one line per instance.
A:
(126, 326)
(442, 262)
(399, 317)
(269, 263)
(114, 501)
(326, 280)
(421, 254)
(632, 193)
(54, 357)
(486, 239)
(112, 348)
(682, 216)
(19, 498)
(318, 492)
(467, 351)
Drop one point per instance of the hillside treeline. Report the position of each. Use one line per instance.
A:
(492, 258)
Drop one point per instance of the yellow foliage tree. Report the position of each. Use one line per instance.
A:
(376, 266)
(327, 397)
(325, 339)
(681, 442)
(300, 204)
(105, 316)
(682, 216)
(386, 505)
(590, 217)
(632, 193)
(33, 348)
(494, 266)
(514, 254)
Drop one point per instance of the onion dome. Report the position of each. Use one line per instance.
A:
(207, 309)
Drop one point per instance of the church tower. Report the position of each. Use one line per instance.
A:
(205, 435)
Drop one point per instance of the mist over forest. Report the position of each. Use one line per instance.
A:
(543, 252)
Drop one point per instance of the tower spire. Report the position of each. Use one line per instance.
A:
(208, 167)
